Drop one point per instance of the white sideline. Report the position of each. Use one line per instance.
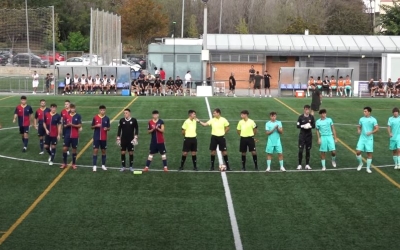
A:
(228, 196)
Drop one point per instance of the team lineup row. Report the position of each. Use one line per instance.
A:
(51, 126)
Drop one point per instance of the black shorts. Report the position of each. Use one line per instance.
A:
(178, 86)
(257, 86)
(315, 107)
(41, 130)
(102, 144)
(189, 144)
(158, 85)
(247, 143)
(127, 145)
(157, 148)
(231, 87)
(267, 85)
(23, 130)
(49, 140)
(217, 141)
(305, 141)
(251, 78)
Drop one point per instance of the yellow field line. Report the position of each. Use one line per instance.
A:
(52, 184)
(387, 177)
(4, 98)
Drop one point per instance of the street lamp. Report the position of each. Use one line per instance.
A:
(174, 52)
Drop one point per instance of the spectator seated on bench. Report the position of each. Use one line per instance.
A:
(347, 87)
(378, 89)
(333, 86)
(310, 82)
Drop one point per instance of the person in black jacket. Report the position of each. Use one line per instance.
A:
(127, 137)
(305, 123)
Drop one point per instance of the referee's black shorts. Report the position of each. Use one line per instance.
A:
(247, 143)
(127, 145)
(217, 141)
(189, 144)
(305, 141)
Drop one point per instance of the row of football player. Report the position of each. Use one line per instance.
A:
(328, 86)
(89, 85)
(159, 87)
(390, 89)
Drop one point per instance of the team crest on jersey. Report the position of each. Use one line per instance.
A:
(130, 122)
(123, 123)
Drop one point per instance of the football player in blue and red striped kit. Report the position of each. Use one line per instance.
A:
(72, 125)
(65, 113)
(39, 119)
(101, 126)
(52, 126)
(157, 142)
(24, 114)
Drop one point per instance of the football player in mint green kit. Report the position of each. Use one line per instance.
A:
(394, 134)
(326, 135)
(367, 127)
(273, 129)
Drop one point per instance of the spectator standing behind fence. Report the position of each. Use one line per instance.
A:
(48, 80)
(156, 72)
(257, 83)
(35, 82)
(267, 83)
(232, 85)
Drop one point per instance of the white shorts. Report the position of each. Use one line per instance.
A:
(35, 84)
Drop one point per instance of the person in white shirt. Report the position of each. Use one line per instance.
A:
(89, 84)
(97, 83)
(76, 83)
(156, 72)
(104, 83)
(35, 82)
(83, 84)
(67, 85)
(112, 85)
(188, 81)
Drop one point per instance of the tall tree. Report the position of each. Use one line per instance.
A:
(193, 32)
(242, 27)
(390, 21)
(138, 25)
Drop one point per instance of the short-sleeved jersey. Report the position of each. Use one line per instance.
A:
(252, 72)
(23, 113)
(190, 127)
(390, 84)
(52, 123)
(246, 127)
(274, 139)
(127, 129)
(100, 133)
(40, 114)
(178, 82)
(156, 136)
(302, 120)
(333, 83)
(394, 124)
(170, 83)
(218, 126)
(258, 79)
(162, 75)
(367, 125)
(75, 119)
(64, 113)
(324, 126)
(232, 80)
(316, 97)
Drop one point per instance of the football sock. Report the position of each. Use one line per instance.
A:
(25, 140)
(48, 150)
(268, 163)
(359, 159)
(65, 158)
(281, 163)
(300, 156)
(255, 161)
(398, 160)
(395, 160)
(323, 163)
(307, 157)
(183, 159)
(148, 163)
(226, 161)
(94, 160)
(123, 160)
(243, 161)
(131, 161)
(53, 153)
(41, 145)
(212, 161)
(103, 159)
(194, 160)
(164, 162)
(369, 161)
(73, 158)
(333, 158)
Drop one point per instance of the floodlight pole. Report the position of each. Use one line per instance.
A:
(205, 43)
(174, 53)
(27, 32)
(183, 18)
(91, 36)
(54, 51)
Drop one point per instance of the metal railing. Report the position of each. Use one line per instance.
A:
(21, 84)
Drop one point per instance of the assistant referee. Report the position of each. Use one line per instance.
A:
(219, 127)
(247, 128)
(190, 141)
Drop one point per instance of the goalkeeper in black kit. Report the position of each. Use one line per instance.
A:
(127, 137)
(305, 123)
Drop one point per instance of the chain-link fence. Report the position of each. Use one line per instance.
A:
(27, 37)
(105, 38)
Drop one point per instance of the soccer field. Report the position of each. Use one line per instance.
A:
(43, 207)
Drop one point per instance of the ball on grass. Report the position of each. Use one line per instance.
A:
(222, 167)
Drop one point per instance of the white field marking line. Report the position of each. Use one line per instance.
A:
(200, 171)
(228, 196)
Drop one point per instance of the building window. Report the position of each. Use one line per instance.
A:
(253, 58)
(279, 59)
(194, 58)
(181, 58)
(234, 58)
(168, 58)
(215, 58)
(244, 58)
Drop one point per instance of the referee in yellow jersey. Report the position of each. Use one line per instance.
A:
(247, 129)
(219, 127)
(190, 141)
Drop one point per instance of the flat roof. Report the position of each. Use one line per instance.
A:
(301, 44)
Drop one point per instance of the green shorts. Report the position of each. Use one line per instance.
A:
(273, 149)
(319, 86)
(327, 144)
(365, 146)
(394, 144)
(348, 87)
(333, 87)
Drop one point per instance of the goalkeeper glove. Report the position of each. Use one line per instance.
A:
(118, 141)
(135, 142)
